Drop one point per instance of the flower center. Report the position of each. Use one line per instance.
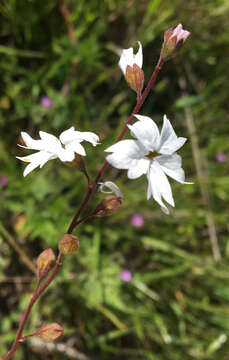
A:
(152, 155)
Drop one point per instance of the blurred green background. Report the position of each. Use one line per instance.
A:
(176, 305)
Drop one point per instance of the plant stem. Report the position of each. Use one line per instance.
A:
(22, 324)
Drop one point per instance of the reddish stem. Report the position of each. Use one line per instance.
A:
(66, 15)
(22, 323)
(40, 289)
(37, 292)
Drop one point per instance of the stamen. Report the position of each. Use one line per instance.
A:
(152, 155)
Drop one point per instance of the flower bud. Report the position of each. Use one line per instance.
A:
(44, 262)
(173, 38)
(108, 206)
(135, 78)
(50, 332)
(131, 66)
(68, 244)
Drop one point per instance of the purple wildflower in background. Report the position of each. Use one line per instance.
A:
(46, 101)
(220, 157)
(137, 220)
(4, 180)
(126, 275)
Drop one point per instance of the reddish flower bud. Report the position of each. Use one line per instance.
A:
(173, 38)
(49, 332)
(135, 78)
(108, 206)
(44, 262)
(68, 244)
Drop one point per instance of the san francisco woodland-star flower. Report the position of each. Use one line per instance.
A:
(50, 147)
(151, 153)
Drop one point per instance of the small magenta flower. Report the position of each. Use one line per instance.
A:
(4, 180)
(137, 220)
(126, 275)
(220, 157)
(46, 101)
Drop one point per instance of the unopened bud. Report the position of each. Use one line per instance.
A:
(44, 262)
(173, 38)
(50, 332)
(108, 206)
(68, 244)
(135, 78)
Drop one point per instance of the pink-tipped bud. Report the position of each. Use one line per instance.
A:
(173, 38)
(49, 332)
(68, 244)
(44, 262)
(135, 78)
(108, 206)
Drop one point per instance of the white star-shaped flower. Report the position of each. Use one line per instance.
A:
(51, 147)
(153, 154)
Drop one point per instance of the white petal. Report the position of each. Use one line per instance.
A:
(169, 142)
(67, 136)
(126, 154)
(171, 165)
(30, 142)
(146, 131)
(160, 187)
(141, 167)
(47, 137)
(76, 147)
(30, 168)
(35, 160)
(112, 186)
(173, 161)
(51, 142)
(89, 136)
(129, 147)
(127, 58)
(37, 157)
(121, 162)
(66, 154)
(138, 58)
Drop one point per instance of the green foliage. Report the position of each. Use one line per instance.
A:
(176, 305)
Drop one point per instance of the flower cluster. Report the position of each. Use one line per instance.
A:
(150, 152)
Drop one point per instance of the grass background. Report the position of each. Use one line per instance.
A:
(176, 305)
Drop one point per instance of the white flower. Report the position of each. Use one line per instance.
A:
(51, 147)
(129, 58)
(153, 154)
(112, 186)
